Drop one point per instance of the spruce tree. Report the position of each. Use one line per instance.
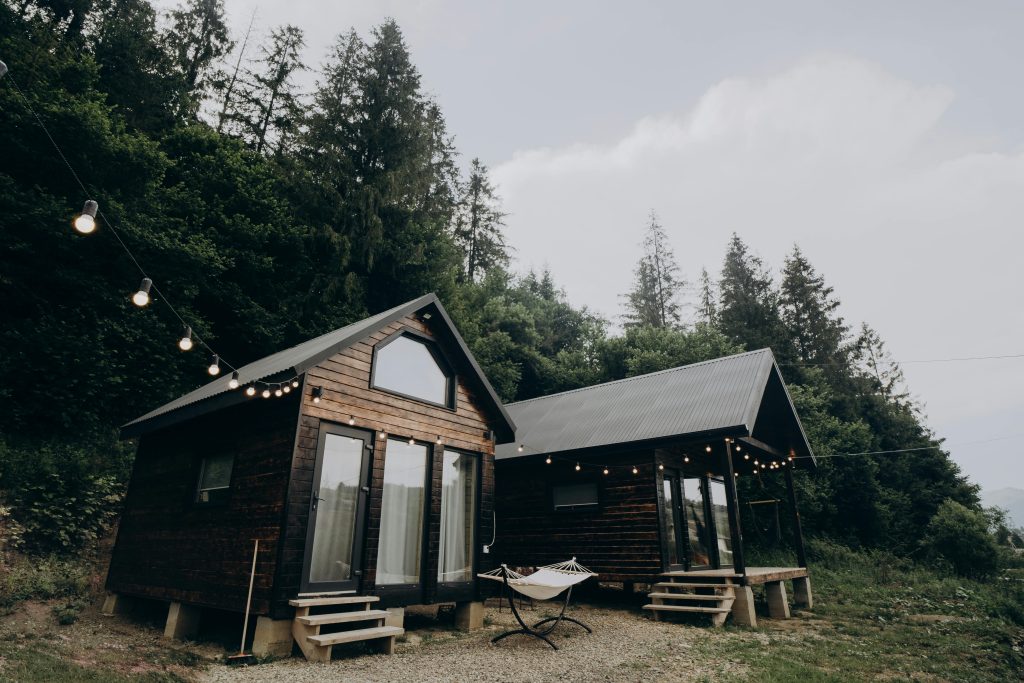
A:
(478, 224)
(198, 38)
(809, 312)
(654, 299)
(749, 304)
(708, 299)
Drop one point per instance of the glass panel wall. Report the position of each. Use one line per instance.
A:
(720, 511)
(331, 557)
(400, 548)
(458, 517)
(696, 524)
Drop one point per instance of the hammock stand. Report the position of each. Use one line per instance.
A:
(564, 575)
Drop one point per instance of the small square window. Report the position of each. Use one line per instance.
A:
(214, 478)
(574, 496)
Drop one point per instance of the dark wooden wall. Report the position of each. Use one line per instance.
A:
(345, 378)
(619, 540)
(170, 548)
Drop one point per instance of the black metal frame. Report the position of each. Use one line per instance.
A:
(531, 630)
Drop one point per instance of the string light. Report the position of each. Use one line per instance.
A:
(85, 222)
(438, 439)
(141, 297)
(318, 392)
(233, 383)
(412, 441)
(295, 384)
(660, 467)
(287, 388)
(351, 420)
(266, 393)
(520, 449)
(250, 390)
(746, 456)
(707, 448)
(577, 467)
(383, 434)
(606, 470)
(214, 368)
(686, 458)
(738, 449)
(548, 460)
(185, 343)
(278, 392)
(635, 470)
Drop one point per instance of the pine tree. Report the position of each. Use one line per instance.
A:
(708, 299)
(478, 224)
(749, 304)
(198, 38)
(809, 312)
(225, 83)
(269, 107)
(877, 365)
(654, 299)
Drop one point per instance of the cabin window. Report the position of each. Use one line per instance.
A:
(720, 513)
(574, 496)
(399, 551)
(413, 368)
(214, 478)
(459, 472)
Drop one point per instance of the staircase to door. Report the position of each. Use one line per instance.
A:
(682, 592)
(322, 623)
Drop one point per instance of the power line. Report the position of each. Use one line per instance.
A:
(905, 362)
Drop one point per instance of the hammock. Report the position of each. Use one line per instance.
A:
(543, 584)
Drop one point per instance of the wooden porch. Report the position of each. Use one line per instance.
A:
(721, 592)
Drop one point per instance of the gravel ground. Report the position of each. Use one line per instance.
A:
(626, 646)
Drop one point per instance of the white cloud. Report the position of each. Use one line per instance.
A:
(916, 226)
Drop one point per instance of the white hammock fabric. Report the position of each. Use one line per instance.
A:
(545, 583)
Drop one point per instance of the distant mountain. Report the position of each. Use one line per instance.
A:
(1009, 499)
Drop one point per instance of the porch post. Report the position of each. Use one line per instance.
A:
(734, 513)
(798, 534)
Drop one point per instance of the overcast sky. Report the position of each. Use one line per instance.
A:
(884, 138)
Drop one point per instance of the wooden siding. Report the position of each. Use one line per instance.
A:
(345, 379)
(169, 547)
(620, 540)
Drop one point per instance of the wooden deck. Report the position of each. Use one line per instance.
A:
(754, 575)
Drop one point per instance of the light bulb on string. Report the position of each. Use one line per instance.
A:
(438, 440)
(85, 222)
(661, 467)
(233, 382)
(214, 368)
(548, 460)
(351, 420)
(295, 384)
(287, 388)
(250, 391)
(266, 393)
(141, 297)
(520, 449)
(577, 467)
(686, 458)
(606, 470)
(746, 456)
(317, 393)
(279, 392)
(707, 448)
(635, 470)
(412, 442)
(185, 343)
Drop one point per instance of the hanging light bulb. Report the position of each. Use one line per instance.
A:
(295, 384)
(520, 449)
(707, 448)
(214, 368)
(577, 467)
(606, 470)
(85, 222)
(279, 392)
(412, 441)
(737, 448)
(141, 297)
(250, 391)
(746, 456)
(660, 467)
(351, 420)
(266, 393)
(382, 435)
(233, 383)
(686, 458)
(287, 388)
(548, 460)
(756, 463)
(318, 393)
(635, 470)
(438, 440)
(185, 343)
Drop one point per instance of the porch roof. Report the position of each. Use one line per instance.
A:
(737, 396)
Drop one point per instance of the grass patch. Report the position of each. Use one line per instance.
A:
(23, 578)
(34, 663)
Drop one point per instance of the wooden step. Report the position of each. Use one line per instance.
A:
(686, 608)
(329, 639)
(689, 596)
(673, 584)
(338, 600)
(702, 576)
(343, 617)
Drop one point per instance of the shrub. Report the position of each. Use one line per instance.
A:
(42, 579)
(960, 536)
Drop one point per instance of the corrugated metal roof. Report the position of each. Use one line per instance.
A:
(716, 395)
(297, 359)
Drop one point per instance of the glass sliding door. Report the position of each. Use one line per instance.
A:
(400, 548)
(337, 501)
(671, 512)
(459, 472)
(696, 523)
(720, 512)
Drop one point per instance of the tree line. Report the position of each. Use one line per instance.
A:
(270, 215)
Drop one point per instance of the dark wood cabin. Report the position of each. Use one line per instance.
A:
(637, 479)
(362, 461)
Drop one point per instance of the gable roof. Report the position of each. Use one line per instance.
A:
(296, 360)
(721, 396)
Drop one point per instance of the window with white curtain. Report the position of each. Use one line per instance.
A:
(399, 550)
(458, 517)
